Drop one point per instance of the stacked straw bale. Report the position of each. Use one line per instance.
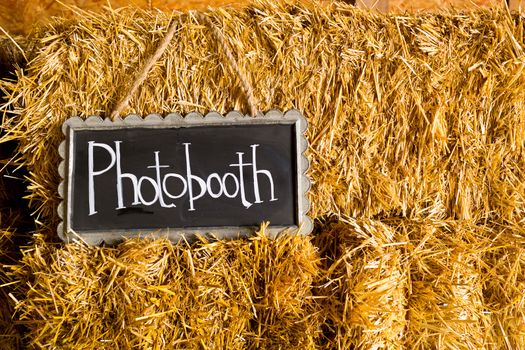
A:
(9, 218)
(504, 286)
(285, 313)
(253, 294)
(363, 294)
(392, 285)
(445, 297)
(418, 116)
(9, 337)
(417, 128)
(20, 16)
(14, 217)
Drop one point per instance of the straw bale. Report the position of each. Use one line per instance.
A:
(445, 295)
(416, 115)
(8, 333)
(142, 295)
(151, 294)
(363, 291)
(504, 285)
(286, 316)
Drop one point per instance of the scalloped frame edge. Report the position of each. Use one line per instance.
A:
(174, 120)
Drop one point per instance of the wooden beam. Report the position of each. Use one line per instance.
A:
(380, 5)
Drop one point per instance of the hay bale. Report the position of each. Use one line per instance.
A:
(445, 295)
(392, 285)
(9, 336)
(140, 295)
(149, 294)
(363, 294)
(286, 315)
(504, 285)
(430, 130)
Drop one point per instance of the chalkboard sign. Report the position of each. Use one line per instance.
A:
(175, 176)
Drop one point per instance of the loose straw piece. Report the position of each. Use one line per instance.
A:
(245, 83)
(143, 73)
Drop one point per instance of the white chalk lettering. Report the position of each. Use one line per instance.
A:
(234, 194)
(256, 173)
(139, 190)
(208, 185)
(163, 186)
(159, 183)
(191, 177)
(92, 173)
(120, 176)
(169, 194)
(240, 165)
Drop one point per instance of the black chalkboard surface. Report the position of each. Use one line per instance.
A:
(181, 176)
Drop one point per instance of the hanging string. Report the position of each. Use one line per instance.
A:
(245, 83)
(143, 73)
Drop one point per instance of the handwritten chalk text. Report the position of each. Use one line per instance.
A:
(170, 186)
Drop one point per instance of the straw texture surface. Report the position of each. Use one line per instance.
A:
(9, 337)
(445, 298)
(253, 294)
(396, 284)
(416, 116)
(364, 288)
(417, 136)
(504, 286)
